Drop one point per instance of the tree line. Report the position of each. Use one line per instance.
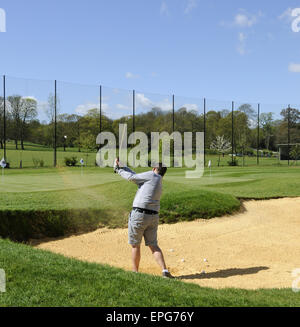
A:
(22, 125)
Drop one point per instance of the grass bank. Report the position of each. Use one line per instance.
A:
(39, 278)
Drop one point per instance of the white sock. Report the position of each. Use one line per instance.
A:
(165, 270)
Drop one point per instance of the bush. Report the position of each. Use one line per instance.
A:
(38, 162)
(233, 162)
(21, 225)
(70, 162)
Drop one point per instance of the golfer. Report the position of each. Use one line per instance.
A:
(143, 219)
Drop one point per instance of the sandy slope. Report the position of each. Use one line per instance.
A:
(258, 248)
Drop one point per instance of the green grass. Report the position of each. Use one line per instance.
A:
(40, 278)
(38, 151)
(54, 202)
(35, 200)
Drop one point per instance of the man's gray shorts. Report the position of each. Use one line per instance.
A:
(141, 224)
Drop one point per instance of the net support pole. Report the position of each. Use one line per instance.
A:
(289, 133)
(100, 100)
(232, 130)
(4, 116)
(204, 128)
(258, 136)
(55, 123)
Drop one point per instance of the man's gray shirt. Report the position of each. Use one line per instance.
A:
(150, 188)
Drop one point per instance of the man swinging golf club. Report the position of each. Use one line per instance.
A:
(143, 219)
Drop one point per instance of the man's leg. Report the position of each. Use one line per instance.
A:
(158, 256)
(136, 257)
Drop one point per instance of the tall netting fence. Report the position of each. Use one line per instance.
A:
(220, 140)
(273, 134)
(53, 123)
(245, 131)
(292, 116)
(29, 122)
(78, 123)
(154, 114)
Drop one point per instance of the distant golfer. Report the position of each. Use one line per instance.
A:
(143, 219)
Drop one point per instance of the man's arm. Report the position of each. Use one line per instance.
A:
(131, 176)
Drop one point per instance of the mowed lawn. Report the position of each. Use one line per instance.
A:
(39, 278)
(38, 152)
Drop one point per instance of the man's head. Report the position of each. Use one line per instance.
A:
(160, 170)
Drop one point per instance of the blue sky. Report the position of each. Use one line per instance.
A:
(233, 50)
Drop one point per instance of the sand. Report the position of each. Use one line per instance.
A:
(257, 248)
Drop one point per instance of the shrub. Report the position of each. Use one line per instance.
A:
(70, 162)
(21, 225)
(36, 162)
(42, 163)
(233, 162)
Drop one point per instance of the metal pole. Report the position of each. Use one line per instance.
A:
(289, 135)
(232, 130)
(173, 114)
(55, 109)
(4, 116)
(100, 127)
(204, 130)
(258, 122)
(133, 111)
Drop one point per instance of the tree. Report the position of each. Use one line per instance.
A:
(15, 107)
(88, 142)
(247, 109)
(295, 153)
(27, 113)
(267, 123)
(221, 145)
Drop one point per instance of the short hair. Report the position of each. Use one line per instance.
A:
(161, 170)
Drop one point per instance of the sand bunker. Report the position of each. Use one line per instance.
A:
(258, 248)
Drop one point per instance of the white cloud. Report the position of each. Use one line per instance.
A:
(142, 100)
(83, 109)
(122, 106)
(242, 37)
(164, 9)
(131, 75)
(245, 20)
(146, 103)
(191, 4)
(294, 68)
(191, 106)
(286, 15)
(241, 48)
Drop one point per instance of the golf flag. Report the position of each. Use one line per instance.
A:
(3, 163)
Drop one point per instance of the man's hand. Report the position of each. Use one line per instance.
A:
(116, 165)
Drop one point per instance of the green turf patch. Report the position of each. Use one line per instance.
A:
(187, 206)
(40, 278)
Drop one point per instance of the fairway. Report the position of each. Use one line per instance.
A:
(251, 250)
(250, 247)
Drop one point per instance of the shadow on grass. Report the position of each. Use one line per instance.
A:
(225, 273)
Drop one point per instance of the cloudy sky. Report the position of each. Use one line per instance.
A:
(247, 51)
